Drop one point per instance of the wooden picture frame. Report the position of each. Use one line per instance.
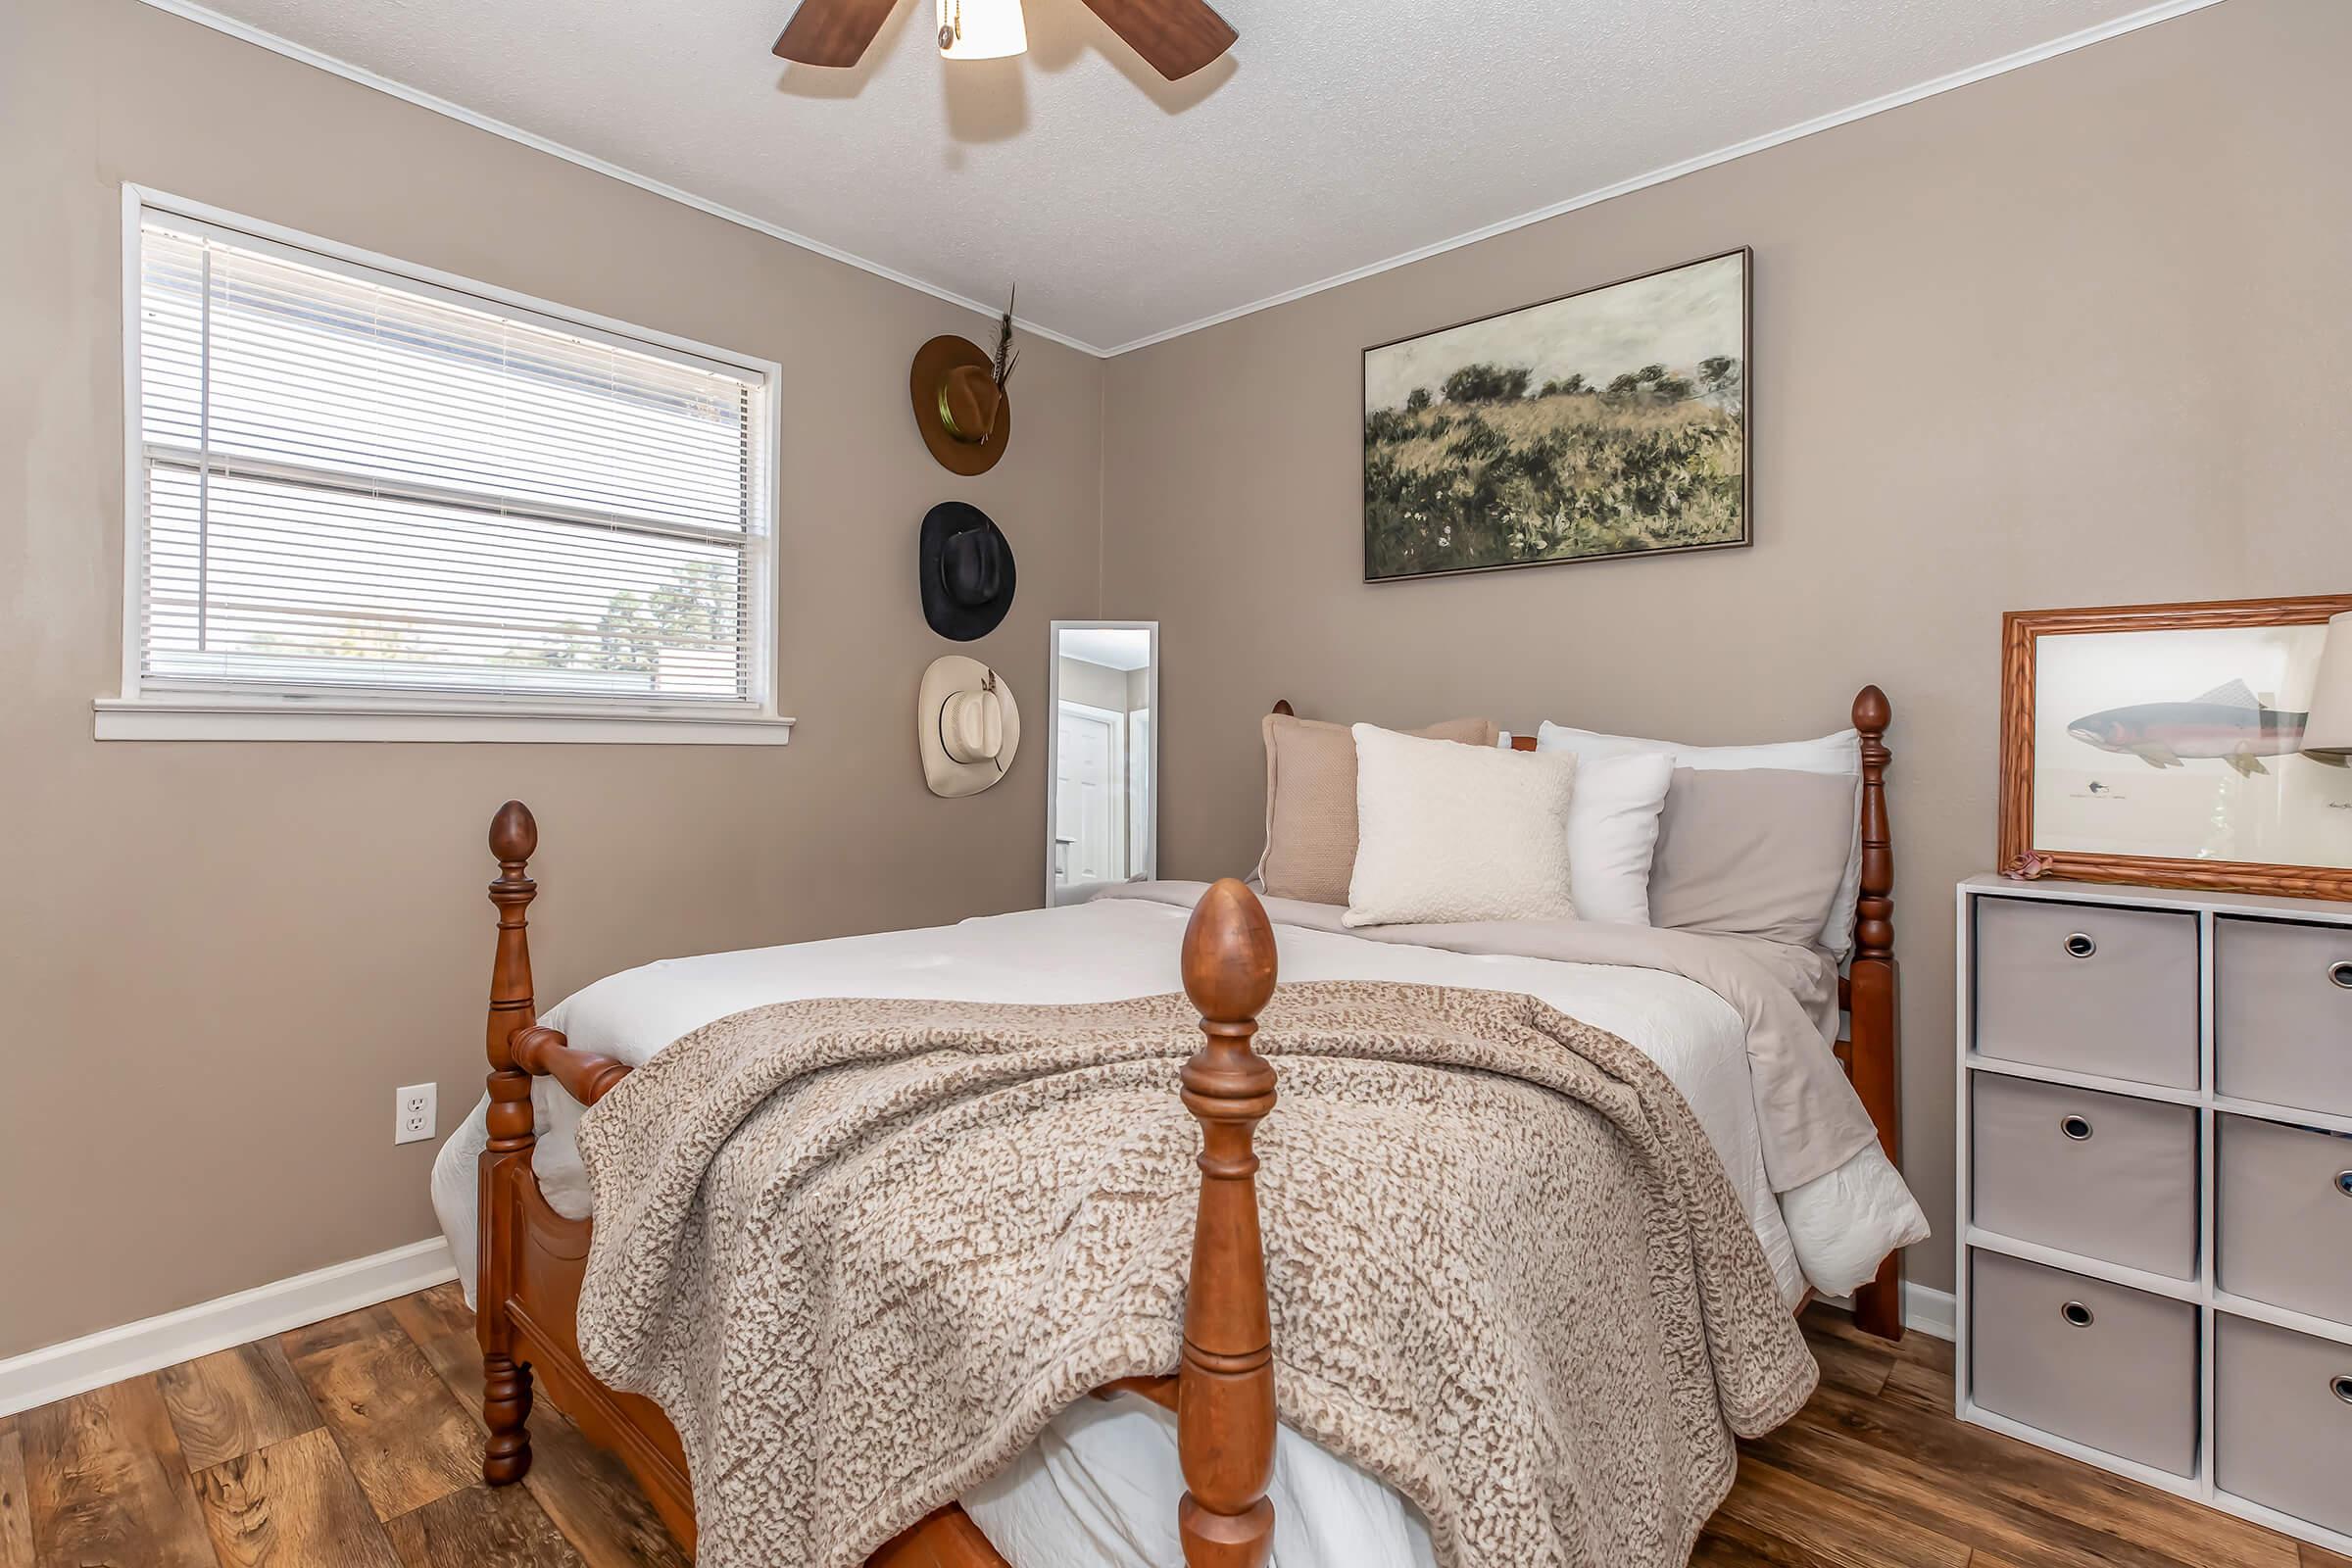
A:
(2020, 857)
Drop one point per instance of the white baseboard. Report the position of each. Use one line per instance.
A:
(1927, 1310)
(60, 1371)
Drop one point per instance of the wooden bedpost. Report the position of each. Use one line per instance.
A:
(1225, 1384)
(1874, 997)
(506, 1383)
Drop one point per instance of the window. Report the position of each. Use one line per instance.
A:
(371, 502)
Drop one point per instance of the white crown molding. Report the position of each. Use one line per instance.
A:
(2131, 23)
(1692, 165)
(77, 1366)
(247, 33)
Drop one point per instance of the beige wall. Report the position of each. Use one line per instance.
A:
(2075, 335)
(217, 960)
(1095, 685)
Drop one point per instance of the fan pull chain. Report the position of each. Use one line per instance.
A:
(950, 22)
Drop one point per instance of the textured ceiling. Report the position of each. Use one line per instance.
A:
(1337, 133)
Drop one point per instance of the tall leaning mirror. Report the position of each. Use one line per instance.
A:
(1102, 756)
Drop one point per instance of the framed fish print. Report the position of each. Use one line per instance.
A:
(2164, 744)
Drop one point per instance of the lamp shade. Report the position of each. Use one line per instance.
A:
(981, 29)
(2328, 732)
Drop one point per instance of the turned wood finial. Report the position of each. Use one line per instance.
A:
(1872, 712)
(513, 834)
(1874, 924)
(1229, 957)
(1225, 1384)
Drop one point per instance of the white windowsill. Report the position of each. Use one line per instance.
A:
(121, 719)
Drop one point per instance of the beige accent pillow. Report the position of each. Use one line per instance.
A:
(1455, 833)
(1756, 852)
(1311, 803)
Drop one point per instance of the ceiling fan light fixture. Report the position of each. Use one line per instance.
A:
(981, 29)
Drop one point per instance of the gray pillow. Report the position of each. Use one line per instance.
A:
(1754, 851)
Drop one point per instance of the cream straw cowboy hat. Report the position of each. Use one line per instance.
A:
(967, 725)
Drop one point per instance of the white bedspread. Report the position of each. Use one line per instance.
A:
(1100, 1488)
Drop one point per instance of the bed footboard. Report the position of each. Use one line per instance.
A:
(532, 1260)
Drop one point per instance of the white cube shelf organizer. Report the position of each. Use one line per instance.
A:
(2155, 1185)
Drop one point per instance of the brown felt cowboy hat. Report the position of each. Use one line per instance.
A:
(964, 414)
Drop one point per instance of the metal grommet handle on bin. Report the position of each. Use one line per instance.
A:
(2077, 1313)
(2075, 1127)
(2340, 971)
(2079, 945)
(2340, 1385)
(2343, 1182)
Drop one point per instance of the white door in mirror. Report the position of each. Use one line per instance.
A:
(1102, 755)
(1089, 809)
(414, 1114)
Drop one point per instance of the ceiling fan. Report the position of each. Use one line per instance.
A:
(1177, 38)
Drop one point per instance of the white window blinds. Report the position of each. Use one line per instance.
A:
(370, 485)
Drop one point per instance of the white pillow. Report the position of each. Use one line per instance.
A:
(1451, 832)
(1613, 834)
(1839, 754)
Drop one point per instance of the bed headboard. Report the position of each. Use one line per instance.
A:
(1868, 993)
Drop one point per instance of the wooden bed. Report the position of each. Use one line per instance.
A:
(532, 1259)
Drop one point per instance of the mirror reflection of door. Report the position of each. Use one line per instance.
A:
(1092, 818)
(1105, 686)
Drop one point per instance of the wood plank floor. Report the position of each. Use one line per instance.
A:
(353, 1443)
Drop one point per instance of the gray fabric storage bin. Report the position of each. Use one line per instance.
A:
(2281, 1433)
(2103, 1175)
(2088, 987)
(2124, 1382)
(2282, 1015)
(2285, 1214)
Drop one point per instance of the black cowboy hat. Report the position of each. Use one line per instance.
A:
(964, 566)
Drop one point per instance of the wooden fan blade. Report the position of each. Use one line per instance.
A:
(1176, 37)
(832, 32)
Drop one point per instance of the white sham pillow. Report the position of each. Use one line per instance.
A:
(1613, 821)
(1841, 753)
(1446, 832)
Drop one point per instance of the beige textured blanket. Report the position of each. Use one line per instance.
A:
(862, 1252)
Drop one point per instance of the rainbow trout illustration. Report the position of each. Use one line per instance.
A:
(2228, 724)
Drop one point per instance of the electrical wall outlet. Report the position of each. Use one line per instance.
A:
(414, 1114)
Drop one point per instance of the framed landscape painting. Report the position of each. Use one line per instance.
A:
(1607, 423)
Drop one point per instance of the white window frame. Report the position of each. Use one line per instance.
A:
(177, 713)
